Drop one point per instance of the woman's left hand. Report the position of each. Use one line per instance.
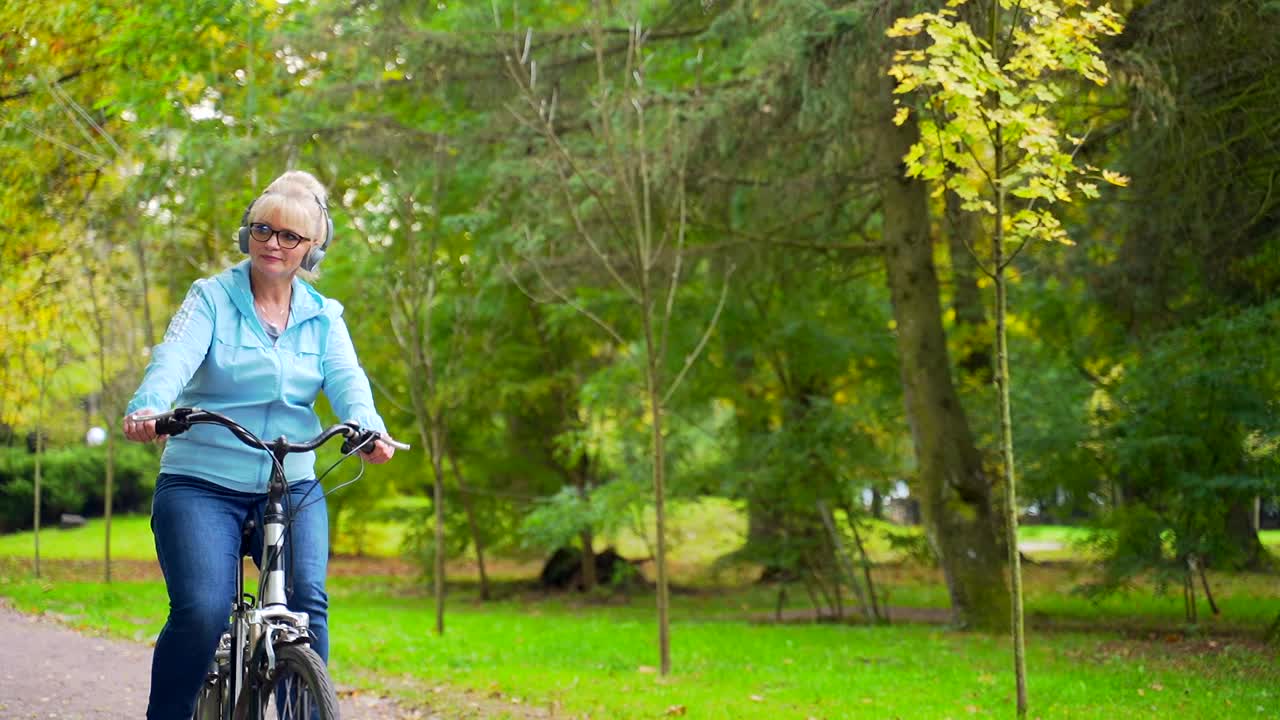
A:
(380, 453)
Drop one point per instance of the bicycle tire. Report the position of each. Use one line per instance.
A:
(300, 689)
(213, 702)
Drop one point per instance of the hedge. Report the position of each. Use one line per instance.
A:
(73, 480)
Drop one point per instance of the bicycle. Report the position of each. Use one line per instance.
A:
(264, 666)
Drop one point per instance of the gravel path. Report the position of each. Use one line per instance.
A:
(49, 671)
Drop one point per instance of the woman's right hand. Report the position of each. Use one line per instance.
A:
(141, 431)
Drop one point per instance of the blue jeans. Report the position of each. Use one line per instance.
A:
(198, 528)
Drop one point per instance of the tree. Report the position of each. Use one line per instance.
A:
(432, 354)
(827, 172)
(1201, 224)
(989, 135)
(624, 199)
(44, 354)
(1199, 135)
(1190, 427)
(953, 484)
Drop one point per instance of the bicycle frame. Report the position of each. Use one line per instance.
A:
(265, 623)
(256, 628)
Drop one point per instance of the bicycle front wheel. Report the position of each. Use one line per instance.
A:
(299, 689)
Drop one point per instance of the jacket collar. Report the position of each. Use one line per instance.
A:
(306, 303)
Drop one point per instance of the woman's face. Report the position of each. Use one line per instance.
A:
(269, 251)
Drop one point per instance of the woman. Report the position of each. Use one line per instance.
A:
(257, 344)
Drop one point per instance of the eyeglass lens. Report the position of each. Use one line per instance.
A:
(262, 232)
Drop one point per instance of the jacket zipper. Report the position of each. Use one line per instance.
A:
(264, 477)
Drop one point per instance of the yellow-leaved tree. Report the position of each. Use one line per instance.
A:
(988, 81)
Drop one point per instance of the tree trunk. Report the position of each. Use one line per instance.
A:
(429, 432)
(954, 489)
(843, 562)
(660, 513)
(586, 536)
(107, 501)
(658, 458)
(1006, 427)
(99, 323)
(437, 470)
(477, 538)
(35, 490)
(1243, 534)
(851, 517)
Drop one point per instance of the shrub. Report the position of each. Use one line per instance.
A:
(73, 481)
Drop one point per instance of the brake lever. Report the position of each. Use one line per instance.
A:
(358, 441)
(170, 423)
(365, 437)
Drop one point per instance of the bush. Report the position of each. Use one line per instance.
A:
(73, 481)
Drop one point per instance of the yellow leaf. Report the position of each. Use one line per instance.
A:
(906, 27)
(676, 711)
(901, 116)
(1115, 178)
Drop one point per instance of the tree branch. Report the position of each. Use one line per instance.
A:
(69, 76)
(706, 335)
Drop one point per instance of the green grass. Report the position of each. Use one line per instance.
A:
(600, 664)
(598, 660)
(130, 540)
(1124, 656)
(1063, 534)
(700, 533)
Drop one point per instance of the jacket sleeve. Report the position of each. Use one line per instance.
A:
(345, 383)
(179, 355)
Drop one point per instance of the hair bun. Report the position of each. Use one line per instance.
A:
(298, 182)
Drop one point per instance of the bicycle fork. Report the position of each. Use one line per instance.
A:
(252, 619)
(272, 616)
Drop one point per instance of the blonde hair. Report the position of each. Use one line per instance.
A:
(299, 200)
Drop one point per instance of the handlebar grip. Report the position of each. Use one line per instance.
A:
(171, 426)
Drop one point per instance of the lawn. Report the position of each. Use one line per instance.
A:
(598, 659)
(130, 540)
(1270, 538)
(1127, 656)
(700, 533)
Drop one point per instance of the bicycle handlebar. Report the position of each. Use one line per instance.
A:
(180, 420)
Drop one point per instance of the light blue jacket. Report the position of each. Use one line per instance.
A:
(216, 356)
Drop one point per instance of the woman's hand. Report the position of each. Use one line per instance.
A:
(380, 453)
(140, 431)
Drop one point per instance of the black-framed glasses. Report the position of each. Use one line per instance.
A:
(288, 239)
